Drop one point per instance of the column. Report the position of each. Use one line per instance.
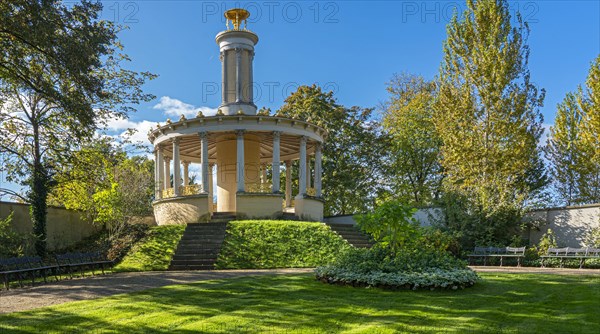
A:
(186, 173)
(160, 171)
(210, 186)
(238, 75)
(263, 175)
(240, 161)
(288, 183)
(176, 167)
(204, 159)
(251, 77)
(223, 57)
(167, 173)
(318, 170)
(302, 171)
(276, 163)
(308, 174)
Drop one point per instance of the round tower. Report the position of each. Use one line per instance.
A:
(237, 52)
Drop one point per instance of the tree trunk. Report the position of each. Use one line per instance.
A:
(38, 209)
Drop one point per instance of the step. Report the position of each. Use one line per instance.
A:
(211, 252)
(197, 262)
(191, 257)
(186, 267)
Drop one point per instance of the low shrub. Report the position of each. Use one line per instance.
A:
(411, 269)
(154, 251)
(406, 255)
(264, 244)
(11, 242)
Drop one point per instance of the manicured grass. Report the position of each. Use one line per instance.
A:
(153, 252)
(502, 303)
(269, 244)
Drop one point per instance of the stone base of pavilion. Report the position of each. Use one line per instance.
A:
(199, 208)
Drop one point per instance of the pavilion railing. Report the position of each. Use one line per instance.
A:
(190, 190)
(259, 188)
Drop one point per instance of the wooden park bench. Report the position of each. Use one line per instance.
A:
(20, 267)
(497, 252)
(569, 253)
(81, 262)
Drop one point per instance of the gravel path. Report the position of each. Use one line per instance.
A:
(533, 270)
(107, 285)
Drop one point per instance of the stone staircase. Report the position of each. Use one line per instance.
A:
(200, 244)
(351, 234)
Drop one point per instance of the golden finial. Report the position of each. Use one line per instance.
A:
(182, 118)
(240, 112)
(168, 121)
(236, 16)
(158, 125)
(200, 114)
(220, 112)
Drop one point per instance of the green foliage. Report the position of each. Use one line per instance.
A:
(592, 239)
(262, 244)
(351, 154)
(154, 251)
(413, 268)
(405, 256)
(414, 170)
(11, 243)
(105, 184)
(392, 225)
(573, 146)
(548, 240)
(488, 119)
(61, 79)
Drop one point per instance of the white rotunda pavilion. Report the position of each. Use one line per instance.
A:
(237, 144)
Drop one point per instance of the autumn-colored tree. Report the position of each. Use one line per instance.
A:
(488, 118)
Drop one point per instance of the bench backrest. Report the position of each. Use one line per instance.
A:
(515, 250)
(18, 263)
(499, 250)
(593, 251)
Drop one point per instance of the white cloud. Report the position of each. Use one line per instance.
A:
(175, 107)
(121, 126)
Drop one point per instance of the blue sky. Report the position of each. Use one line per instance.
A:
(352, 47)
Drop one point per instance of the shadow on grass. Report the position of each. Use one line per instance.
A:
(297, 303)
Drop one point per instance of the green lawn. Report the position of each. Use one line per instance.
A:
(501, 303)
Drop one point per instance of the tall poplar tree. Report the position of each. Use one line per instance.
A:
(564, 150)
(589, 100)
(487, 116)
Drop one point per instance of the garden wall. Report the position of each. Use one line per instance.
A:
(64, 227)
(570, 224)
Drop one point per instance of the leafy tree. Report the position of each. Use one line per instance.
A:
(106, 185)
(573, 148)
(414, 171)
(564, 150)
(61, 78)
(589, 100)
(487, 116)
(351, 153)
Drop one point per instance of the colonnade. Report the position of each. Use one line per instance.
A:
(163, 165)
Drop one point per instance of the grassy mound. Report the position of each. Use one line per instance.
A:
(263, 244)
(154, 251)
